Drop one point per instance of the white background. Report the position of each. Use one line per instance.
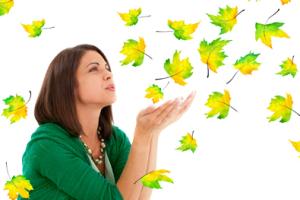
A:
(240, 157)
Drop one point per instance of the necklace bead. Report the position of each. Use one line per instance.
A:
(99, 160)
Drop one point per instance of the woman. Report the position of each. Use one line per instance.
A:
(76, 152)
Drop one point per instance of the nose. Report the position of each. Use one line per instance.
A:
(108, 75)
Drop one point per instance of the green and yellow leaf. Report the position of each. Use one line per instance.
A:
(131, 18)
(265, 32)
(18, 185)
(296, 145)
(5, 6)
(226, 19)
(34, 29)
(155, 93)
(134, 52)
(188, 142)
(219, 104)
(247, 63)
(285, 1)
(288, 67)
(281, 108)
(182, 31)
(17, 108)
(179, 70)
(212, 54)
(152, 179)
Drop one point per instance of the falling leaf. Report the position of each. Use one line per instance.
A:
(188, 143)
(219, 104)
(179, 70)
(5, 6)
(226, 19)
(265, 32)
(282, 107)
(285, 1)
(134, 52)
(131, 18)
(212, 54)
(247, 64)
(34, 29)
(296, 145)
(182, 31)
(288, 68)
(152, 179)
(17, 108)
(18, 185)
(155, 93)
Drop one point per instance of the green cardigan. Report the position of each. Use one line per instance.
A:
(57, 166)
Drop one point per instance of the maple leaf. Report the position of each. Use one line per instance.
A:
(131, 18)
(285, 1)
(155, 93)
(219, 104)
(226, 19)
(182, 31)
(134, 52)
(188, 143)
(288, 68)
(246, 64)
(179, 70)
(296, 145)
(34, 29)
(282, 107)
(17, 108)
(152, 179)
(5, 6)
(18, 185)
(212, 54)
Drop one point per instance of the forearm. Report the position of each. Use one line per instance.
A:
(146, 192)
(136, 166)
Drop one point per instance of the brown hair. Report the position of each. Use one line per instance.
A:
(56, 100)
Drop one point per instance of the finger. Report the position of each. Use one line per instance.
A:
(174, 106)
(187, 103)
(161, 108)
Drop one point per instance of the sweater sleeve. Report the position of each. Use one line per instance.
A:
(71, 174)
(123, 147)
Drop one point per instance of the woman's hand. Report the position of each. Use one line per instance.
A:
(154, 120)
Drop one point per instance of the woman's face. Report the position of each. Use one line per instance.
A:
(95, 82)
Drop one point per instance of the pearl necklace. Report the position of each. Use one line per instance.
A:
(100, 159)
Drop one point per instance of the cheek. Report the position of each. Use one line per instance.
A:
(90, 91)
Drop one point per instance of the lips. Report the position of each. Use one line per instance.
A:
(110, 87)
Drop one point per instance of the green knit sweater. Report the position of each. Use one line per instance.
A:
(58, 167)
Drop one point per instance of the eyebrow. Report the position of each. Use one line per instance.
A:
(93, 63)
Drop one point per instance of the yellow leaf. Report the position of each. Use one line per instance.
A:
(181, 30)
(34, 29)
(152, 179)
(5, 6)
(282, 107)
(285, 1)
(188, 142)
(18, 186)
(134, 52)
(179, 70)
(17, 108)
(219, 104)
(155, 93)
(131, 18)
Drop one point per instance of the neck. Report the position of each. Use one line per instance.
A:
(89, 119)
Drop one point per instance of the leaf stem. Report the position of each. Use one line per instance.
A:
(229, 106)
(7, 170)
(157, 79)
(166, 85)
(192, 134)
(163, 31)
(49, 27)
(272, 15)
(144, 16)
(143, 53)
(292, 110)
(293, 59)
(233, 77)
(239, 13)
(207, 70)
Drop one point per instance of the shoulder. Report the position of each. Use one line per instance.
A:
(118, 134)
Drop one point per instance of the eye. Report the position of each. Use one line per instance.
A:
(93, 69)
